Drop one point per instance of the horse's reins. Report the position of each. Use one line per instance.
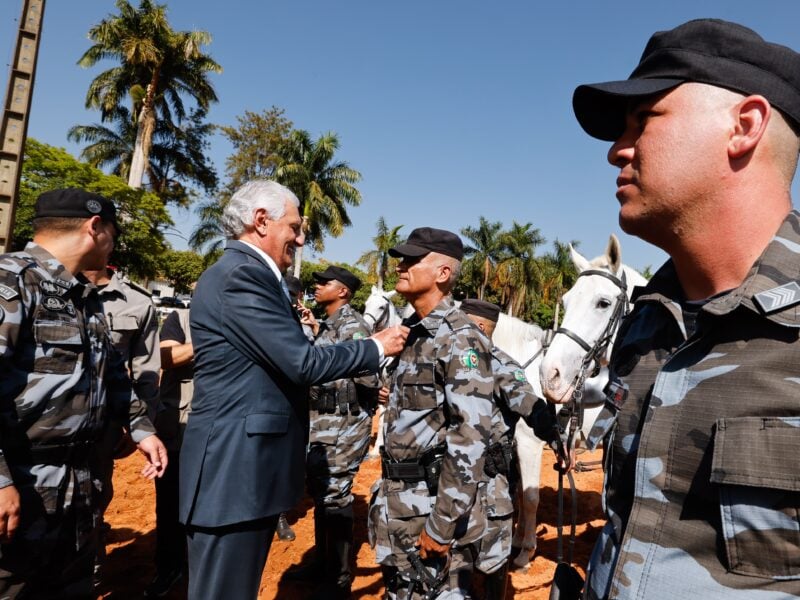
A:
(574, 408)
(382, 317)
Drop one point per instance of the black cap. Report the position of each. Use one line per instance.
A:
(293, 284)
(425, 240)
(339, 274)
(707, 51)
(74, 202)
(481, 308)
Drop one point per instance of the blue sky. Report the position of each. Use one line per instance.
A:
(450, 110)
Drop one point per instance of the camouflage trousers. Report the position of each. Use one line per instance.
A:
(337, 447)
(494, 547)
(397, 514)
(52, 553)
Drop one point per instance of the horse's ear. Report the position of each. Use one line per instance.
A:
(614, 254)
(581, 264)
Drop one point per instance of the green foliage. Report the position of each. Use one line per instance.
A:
(256, 140)
(140, 213)
(157, 69)
(378, 263)
(182, 268)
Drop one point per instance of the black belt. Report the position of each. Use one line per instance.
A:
(414, 469)
(49, 454)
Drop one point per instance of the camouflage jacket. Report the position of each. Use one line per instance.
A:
(343, 325)
(702, 490)
(58, 374)
(441, 392)
(133, 325)
(514, 396)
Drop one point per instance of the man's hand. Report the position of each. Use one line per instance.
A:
(393, 339)
(9, 512)
(156, 453)
(307, 318)
(429, 547)
(383, 395)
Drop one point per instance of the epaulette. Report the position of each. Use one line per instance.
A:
(138, 287)
(457, 320)
(16, 262)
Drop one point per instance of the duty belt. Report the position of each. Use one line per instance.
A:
(425, 468)
(49, 454)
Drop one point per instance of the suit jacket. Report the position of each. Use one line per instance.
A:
(243, 453)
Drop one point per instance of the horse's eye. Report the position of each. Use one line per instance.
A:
(603, 303)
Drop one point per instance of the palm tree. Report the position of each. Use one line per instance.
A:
(176, 156)
(484, 251)
(157, 67)
(322, 185)
(208, 237)
(377, 262)
(518, 272)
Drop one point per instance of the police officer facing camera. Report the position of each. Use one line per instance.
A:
(60, 382)
(437, 424)
(341, 425)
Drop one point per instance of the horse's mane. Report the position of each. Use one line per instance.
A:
(514, 336)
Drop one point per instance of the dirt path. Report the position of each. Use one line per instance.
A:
(129, 565)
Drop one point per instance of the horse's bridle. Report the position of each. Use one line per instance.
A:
(383, 315)
(596, 350)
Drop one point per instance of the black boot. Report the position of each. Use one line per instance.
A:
(283, 530)
(338, 570)
(495, 584)
(311, 570)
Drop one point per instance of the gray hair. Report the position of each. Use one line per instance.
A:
(260, 193)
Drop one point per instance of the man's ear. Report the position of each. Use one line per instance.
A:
(752, 116)
(260, 221)
(93, 226)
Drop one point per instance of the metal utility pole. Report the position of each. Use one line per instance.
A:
(14, 126)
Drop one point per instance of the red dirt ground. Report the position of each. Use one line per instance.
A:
(131, 541)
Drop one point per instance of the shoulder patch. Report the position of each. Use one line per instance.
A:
(359, 335)
(7, 293)
(470, 359)
(519, 375)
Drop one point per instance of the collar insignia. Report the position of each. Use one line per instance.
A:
(778, 298)
(519, 375)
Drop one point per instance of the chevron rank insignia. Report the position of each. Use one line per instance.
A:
(778, 298)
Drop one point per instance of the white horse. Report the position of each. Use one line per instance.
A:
(380, 313)
(593, 309)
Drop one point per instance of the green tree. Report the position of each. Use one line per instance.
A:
(377, 262)
(482, 253)
(256, 140)
(517, 273)
(157, 68)
(177, 156)
(141, 213)
(322, 184)
(182, 268)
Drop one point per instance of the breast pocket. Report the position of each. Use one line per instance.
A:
(58, 346)
(755, 469)
(418, 387)
(123, 328)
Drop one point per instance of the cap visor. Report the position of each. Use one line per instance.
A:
(408, 250)
(601, 107)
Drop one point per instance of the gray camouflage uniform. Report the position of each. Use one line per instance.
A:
(513, 398)
(339, 434)
(702, 490)
(441, 393)
(58, 379)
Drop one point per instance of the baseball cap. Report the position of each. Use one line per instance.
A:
(708, 51)
(425, 240)
(481, 308)
(339, 274)
(74, 202)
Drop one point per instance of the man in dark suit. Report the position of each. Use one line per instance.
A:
(243, 454)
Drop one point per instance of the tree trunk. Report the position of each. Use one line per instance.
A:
(146, 124)
(298, 253)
